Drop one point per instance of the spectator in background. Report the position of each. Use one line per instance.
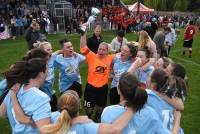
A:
(94, 41)
(13, 27)
(33, 34)
(149, 29)
(154, 26)
(47, 23)
(20, 25)
(146, 41)
(118, 41)
(170, 39)
(159, 40)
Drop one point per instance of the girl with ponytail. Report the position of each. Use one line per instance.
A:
(162, 97)
(68, 105)
(33, 102)
(145, 119)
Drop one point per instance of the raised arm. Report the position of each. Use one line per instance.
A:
(118, 125)
(83, 41)
(135, 65)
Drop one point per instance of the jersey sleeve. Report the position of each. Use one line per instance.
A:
(91, 128)
(105, 116)
(81, 58)
(40, 107)
(2, 86)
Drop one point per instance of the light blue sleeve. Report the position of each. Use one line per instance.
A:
(7, 98)
(54, 116)
(160, 129)
(2, 86)
(91, 128)
(105, 116)
(40, 107)
(81, 58)
(55, 63)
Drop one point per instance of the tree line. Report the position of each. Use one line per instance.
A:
(169, 5)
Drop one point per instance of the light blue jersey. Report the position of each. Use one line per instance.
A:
(68, 70)
(34, 103)
(79, 128)
(84, 128)
(2, 86)
(119, 67)
(54, 116)
(142, 75)
(145, 121)
(47, 87)
(164, 109)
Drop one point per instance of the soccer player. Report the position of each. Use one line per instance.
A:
(162, 62)
(188, 38)
(120, 65)
(145, 120)
(69, 104)
(99, 66)
(68, 66)
(47, 87)
(144, 69)
(160, 84)
(31, 74)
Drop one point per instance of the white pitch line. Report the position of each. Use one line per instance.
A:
(189, 61)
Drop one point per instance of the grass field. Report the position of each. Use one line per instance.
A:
(11, 51)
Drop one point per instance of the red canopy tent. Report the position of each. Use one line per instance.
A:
(143, 8)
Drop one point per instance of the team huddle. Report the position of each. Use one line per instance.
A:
(146, 89)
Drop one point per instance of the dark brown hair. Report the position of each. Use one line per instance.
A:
(128, 86)
(61, 42)
(36, 53)
(163, 83)
(22, 71)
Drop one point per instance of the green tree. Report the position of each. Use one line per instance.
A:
(180, 5)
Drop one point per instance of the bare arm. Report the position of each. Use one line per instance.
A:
(118, 125)
(151, 62)
(20, 115)
(176, 127)
(83, 41)
(176, 102)
(3, 112)
(41, 123)
(135, 65)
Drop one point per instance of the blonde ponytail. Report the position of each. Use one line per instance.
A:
(62, 125)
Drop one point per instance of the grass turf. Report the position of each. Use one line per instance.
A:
(11, 51)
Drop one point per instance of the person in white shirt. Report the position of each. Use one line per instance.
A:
(118, 41)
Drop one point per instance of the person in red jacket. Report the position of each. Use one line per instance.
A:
(188, 38)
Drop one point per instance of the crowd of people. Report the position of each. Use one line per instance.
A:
(147, 91)
(146, 88)
(17, 16)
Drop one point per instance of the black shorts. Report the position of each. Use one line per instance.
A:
(95, 96)
(114, 96)
(188, 43)
(76, 87)
(53, 103)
